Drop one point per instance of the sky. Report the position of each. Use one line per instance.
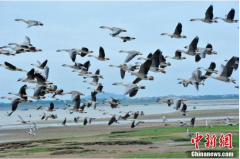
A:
(76, 24)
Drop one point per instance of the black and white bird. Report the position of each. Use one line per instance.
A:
(208, 16)
(177, 32)
(101, 56)
(136, 123)
(178, 56)
(30, 23)
(229, 17)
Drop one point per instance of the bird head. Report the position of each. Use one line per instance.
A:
(151, 78)
(142, 87)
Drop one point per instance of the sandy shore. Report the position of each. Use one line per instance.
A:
(81, 130)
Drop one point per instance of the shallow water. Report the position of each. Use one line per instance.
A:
(9, 122)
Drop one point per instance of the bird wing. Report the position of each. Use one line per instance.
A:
(30, 74)
(156, 58)
(129, 89)
(122, 73)
(44, 64)
(51, 107)
(27, 41)
(209, 13)
(22, 92)
(87, 65)
(144, 68)
(97, 72)
(178, 54)
(231, 14)
(212, 66)
(130, 57)
(113, 119)
(20, 117)
(10, 65)
(93, 94)
(133, 93)
(178, 29)
(193, 44)
(101, 53)
(72, 55)
(228, 69)
(137, 80)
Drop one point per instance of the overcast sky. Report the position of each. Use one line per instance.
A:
(76, 24)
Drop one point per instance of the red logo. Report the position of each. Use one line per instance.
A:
(224, 140)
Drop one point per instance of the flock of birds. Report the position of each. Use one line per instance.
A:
(155, 62)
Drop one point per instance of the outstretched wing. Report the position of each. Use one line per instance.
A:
(178, 29)
(101, 53)
(209, 13)
(231, 14)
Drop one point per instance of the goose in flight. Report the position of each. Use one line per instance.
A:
(95, 79)
(51, 107)
(192, 49)
(230, 17)
(113, 102)
(78, 66)
(92, 75)
(40, 65)
(21, 93)
(38, 92)
(88, 120)
(22, 121)
(99, 88)
(226, 72)
(208, 16)
(177, 32)
(131, 54)
(42, 79)
(30, 23)
(203, 52)
(143, 71)
(127, 115)
(72, 53)
(101, 56)
(115, 30)
(156, 61)
(126, 38)
(132, 90)
(31, 132)
(169, 101)
(178, 56)
(25, 45)
(197, 78)
(114, 118)
(209, 70)
(236, 62)
(124, 68)
(30, 77)
(137, 113)
(64, 122)
(11, 67)
(15, 102)
(6, 52)
(17, 50)
(136, 123)
(185, 82)
(76, 119)
(83, 52)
